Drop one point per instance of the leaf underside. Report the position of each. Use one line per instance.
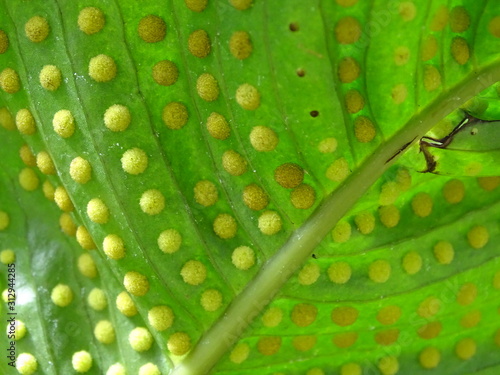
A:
(263, 113)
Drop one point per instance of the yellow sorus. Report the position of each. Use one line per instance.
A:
(225, 226)
(365, 221)
(207, 87)
(255, 197)
(467, 294)
(460, 50)
(6, 119)
(140, 339)
(248, 97)
(161, 317)
(354, 101)
(466, 348)
(241, 4)
(348, 70)
(305, 343)
(91, 20)
(117, 118)
(152, 202)
(289, 175)
(97, 299)
(50, 77)
(113, 247)
(429, 358)
(81, 361)
(217, 126)
(272, 317)
(80, 170)
(444, 252)
(243, 257)
(67, 224)
(165, 73)
(399, 94)
(7, 256)
(62, 199)
(134, 161)
(263, 139)
(478, 237)
(459, 19)
(401, 55)
(125, 304)
(303, 314)
(179, 343)
(48, 190)
(199, 43)
(9, 81)
(412, 262)
(102, 68)
(429, 307)
(309, 274)
(205, 193)
(338, 170)
(347, 30)
(389, 216)
(432, 78)
(84, 239)
(211, 300)
(26, 364)
(64, 123)
(493, 27)
(350, 369)
(344, 316)
(104, 332)
(175, 115)
(152, 29)
(489, 183)
(44, 163)
(97, 211)
(4, 42)
(27, 156)
(86, 265)
(407, 10)
(240, 45)
(422, 204)
(169, 241)
(364, 130)
(339, 272)
(379, 271)
(25, 122)
(193, 272)
(269, 345)
(28, 179)
(37, 29)
(388, 365)
(328, 145)
(196, 5)
(270, 223)
(342, 232)
(136, 283)
(4, 220)
(116, 369)
(233, 163)
(61, 295)
(454, 191)
(149, 369)
(389, 315)
(19, 330)
(429, 48)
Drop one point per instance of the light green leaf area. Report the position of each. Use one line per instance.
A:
(235, 187)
